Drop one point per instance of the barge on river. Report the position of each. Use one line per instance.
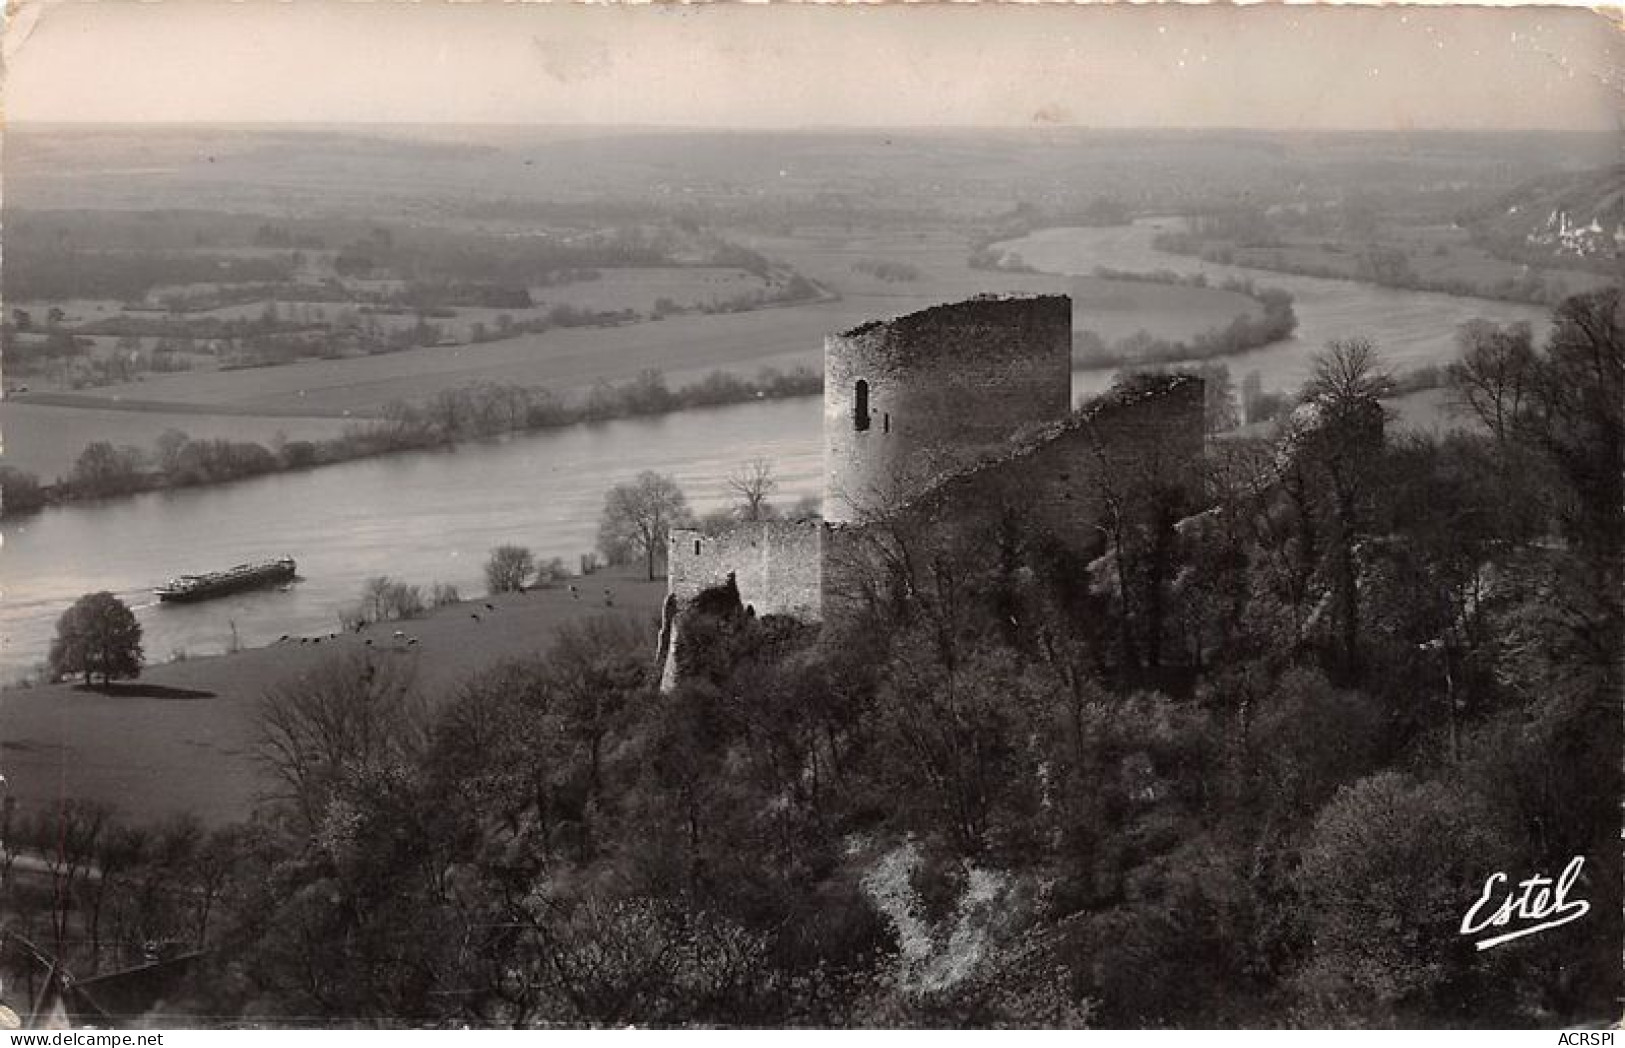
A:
(219, 583)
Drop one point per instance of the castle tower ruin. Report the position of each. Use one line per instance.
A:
(940, 417)
(909, 399)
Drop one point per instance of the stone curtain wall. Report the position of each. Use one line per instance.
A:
(1123, 443)
(946, 387)
(777, 565)
(1061, 476)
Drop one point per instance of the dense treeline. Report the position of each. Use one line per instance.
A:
(186, 262)
(284, 333)
(471, 412)
(20, 491)
(1277, 320)
(43, 270)
(44, 274)
(1232, 239)
(271, 321)
(889, 270)
(442, 256)
(336, 318)
(124, 895)
(431, 255)
(1242, 756)
(777, 215)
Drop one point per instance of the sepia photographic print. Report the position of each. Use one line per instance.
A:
(811, 516)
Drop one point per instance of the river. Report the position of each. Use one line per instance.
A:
(1410, 328)
(432, 516)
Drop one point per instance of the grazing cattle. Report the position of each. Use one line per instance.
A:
(400, 634)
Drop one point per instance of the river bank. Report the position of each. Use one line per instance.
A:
(425, 413)
(181, 738)
(1432, 271)
(105, 470)
(425, 518)
(1411, 329)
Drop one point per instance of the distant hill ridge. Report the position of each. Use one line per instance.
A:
(1571, 216)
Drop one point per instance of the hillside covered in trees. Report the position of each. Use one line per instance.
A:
(1245, 759)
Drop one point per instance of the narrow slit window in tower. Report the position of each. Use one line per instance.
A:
(860, 405)
(696, 547)
(885, 422)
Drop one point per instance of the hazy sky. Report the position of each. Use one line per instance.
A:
(750, 66)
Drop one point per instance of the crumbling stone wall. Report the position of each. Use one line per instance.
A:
(1057, 480)
(1062, 475)
(775, 564)
(909, 399)
(777, 567)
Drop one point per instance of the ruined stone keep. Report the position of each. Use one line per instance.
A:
(935, 414)
(911, 399)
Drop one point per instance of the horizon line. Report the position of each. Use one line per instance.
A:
(311, 125)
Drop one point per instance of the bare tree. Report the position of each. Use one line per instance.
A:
(598, 668)
(1219, 409)
(10, 827)
(753, 482)
(382, 599)
(211, 872)
(638, 517)
(374, 597)
(350, 716)
(68, 837)
(116, 851)
(1344, 450)
(1496, 372)
(1350, 369)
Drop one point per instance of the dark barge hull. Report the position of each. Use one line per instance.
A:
(205, 587)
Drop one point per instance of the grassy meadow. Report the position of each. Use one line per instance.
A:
(181, 738)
